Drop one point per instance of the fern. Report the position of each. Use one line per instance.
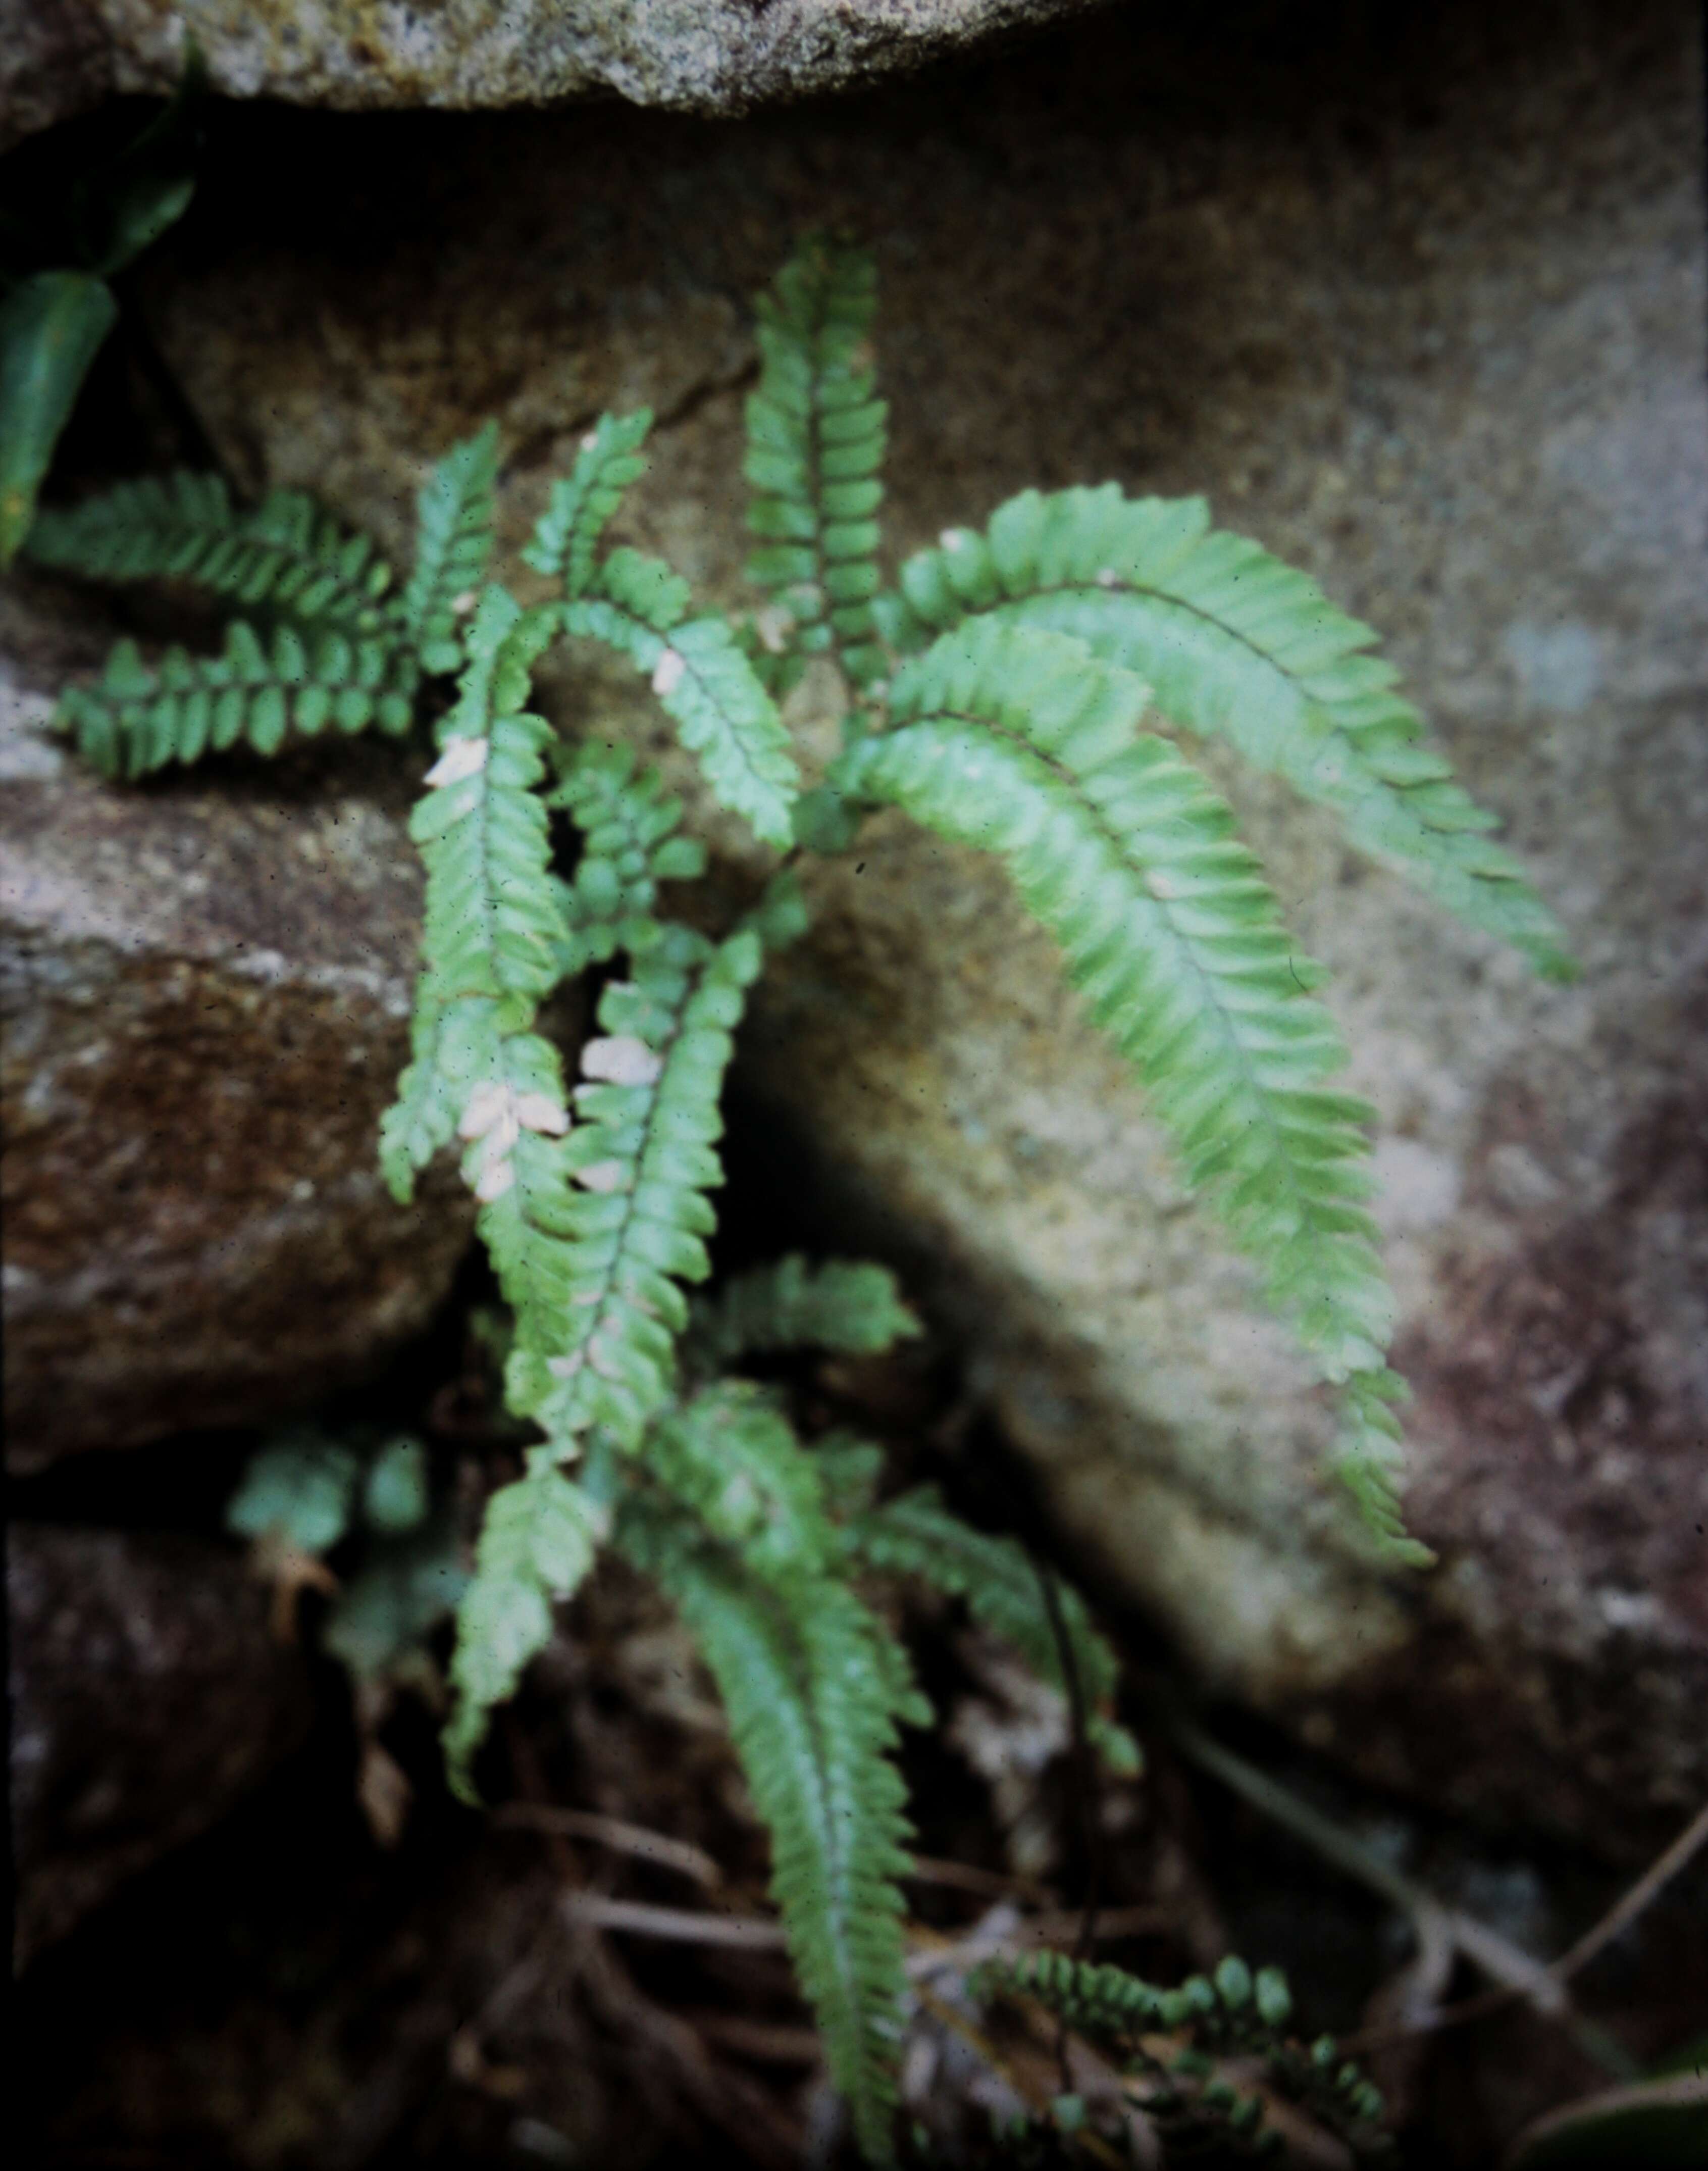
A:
(1227, 2031)
(1239, 645)
(567, 537)
(630, 845)
(816, 454)
(1014, 738)
(844, 1305)
(453, 541)
(813, 1699)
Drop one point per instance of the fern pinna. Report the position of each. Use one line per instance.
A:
(1007, 693)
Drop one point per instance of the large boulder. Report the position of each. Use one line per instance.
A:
(721, 56)
(1423, 312)
(147, 1693)
(205, 994)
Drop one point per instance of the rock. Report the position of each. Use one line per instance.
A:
(1422, 313)
(148, 1694)
(719, 56)
(205, 991)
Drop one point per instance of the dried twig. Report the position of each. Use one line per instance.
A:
(613, 1832)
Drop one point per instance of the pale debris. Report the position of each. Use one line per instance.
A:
(669, 673)
(462, 758)
(622, 1060)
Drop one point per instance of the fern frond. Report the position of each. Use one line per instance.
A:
(630, 845)
(844, 1305)
(916, 1534)
(136, 718)
(704, 682)
(803, 1671)
(1012, 737)
(1239, 645)
(567, 537)
(731, 1459)
(453, 541)
(816, 454)
(642, 1152)
(536, 1545)
(286, 555)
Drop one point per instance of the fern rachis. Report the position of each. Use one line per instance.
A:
(1000, 696)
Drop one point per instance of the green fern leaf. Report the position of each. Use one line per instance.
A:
(730, 1458)
(642, 1152)
(842, 1304)
(567, 538)
(1238, 644)
(135, 719)
(704, 683)
(630, 845)
(453, 541)
(1024, 745)
(816, 454)
(286, 555)
(806, 1675)
(916, 1534)
(536, 1545)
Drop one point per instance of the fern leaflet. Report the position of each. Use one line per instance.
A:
(842, 1304)
(566, 536)
(730, 1458)
(1237, 644)
(630, 845)
(813, 1697)
(453, 541)
(816, 454)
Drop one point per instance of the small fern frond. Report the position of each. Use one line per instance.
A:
(643, 1154)
(536, 1543)
(812, 1694)
(704, 682)
(1014, 738)
(565, 539)
(844, 1304)
(136, 718)
(630, 845)
(730, 1458)
(816, 454)
(453, 541)
(915, 1535)
(1239, 645)
(286, 555)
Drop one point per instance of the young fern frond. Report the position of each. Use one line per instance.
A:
(915, 1535)
(1238, 644)
(816, 455)
(136, 718)
(453, 541)
(704, 681)
(536, 1543)
(1014, 738)
(287, 555)
(844, 1304)
(630, 845)
(731, 1458)
(567, 537)
(813, 1694)
(642, 1152)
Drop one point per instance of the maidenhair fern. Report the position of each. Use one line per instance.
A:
(1009, 694)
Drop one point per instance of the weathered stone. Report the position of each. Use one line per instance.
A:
(1422, 313)
(205, 992)
(719, 56)
(148, 1694)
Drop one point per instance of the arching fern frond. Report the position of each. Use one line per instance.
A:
(846, 1304)
(536, 1543)
(567, 537)
(804, 1673)
(916, 1534)
(704, 682)
(1012, 737)
(630, 845)
(643, 1153)
(816, 453)
(1239, 645)
(730, 1458)
(286, 555)
(453, 541)
(136, 718)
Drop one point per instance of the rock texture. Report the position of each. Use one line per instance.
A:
(205, 994)
(719, 57)
(1418, 306)
(147, 1693)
